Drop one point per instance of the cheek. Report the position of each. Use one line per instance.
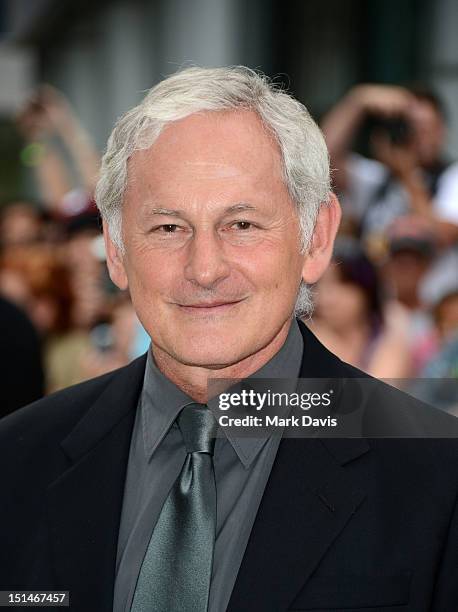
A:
(150, 277)
(271, 281)
(270, 264)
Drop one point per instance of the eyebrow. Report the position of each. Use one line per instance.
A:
(166, 211)
(241, 206)
(179, 213)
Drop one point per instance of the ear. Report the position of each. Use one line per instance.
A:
(114, 261)
(320, 250)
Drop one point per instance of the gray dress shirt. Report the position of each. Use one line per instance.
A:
(157, 453)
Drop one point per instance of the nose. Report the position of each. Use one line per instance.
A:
(206, 264)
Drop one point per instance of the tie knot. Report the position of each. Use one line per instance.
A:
(198, 427)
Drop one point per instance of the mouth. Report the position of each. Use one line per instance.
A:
(203, 308)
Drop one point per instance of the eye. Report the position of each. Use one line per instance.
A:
(242, 225)
(169, 233)
(169, 230)
(166, 228)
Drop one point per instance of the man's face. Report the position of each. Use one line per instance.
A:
(212, 253)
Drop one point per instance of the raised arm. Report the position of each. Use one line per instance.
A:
(47, 119)
(82, 151)
(340, 125)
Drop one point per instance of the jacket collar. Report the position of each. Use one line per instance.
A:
(85, 502)
(309, 499)
(319, 362)
(118, 398)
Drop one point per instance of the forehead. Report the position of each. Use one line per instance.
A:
(223, 146)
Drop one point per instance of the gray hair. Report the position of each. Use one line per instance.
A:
(304, 154)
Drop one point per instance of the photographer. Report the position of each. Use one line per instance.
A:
(408, 174)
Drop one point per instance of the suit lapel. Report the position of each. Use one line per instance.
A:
(309, 499)
(84, 504)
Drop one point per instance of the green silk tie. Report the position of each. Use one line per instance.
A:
(176, 570)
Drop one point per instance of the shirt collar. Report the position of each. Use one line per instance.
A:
(160, 403)
(161, 400)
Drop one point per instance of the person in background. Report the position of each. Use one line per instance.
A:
(439, 293)
(437, 381)
(84, 331)
(353, 319)
(83, 254)
(66, 161)
(411, 247)
(112, 342)
(21, 222)
(99, 307)
(52, 253)
(22, 378)
(35, 278)
(446, 317)
(409, 172)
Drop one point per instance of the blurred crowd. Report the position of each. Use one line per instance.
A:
(388, 303)
(52, 265)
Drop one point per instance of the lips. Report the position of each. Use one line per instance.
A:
(205, 307)
(210, 304)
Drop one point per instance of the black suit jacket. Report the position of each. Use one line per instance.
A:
(349, 524)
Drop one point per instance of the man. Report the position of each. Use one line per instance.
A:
(217, 216)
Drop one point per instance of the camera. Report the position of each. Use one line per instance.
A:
(398, 129)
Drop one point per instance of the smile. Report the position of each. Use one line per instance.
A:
(204, 308)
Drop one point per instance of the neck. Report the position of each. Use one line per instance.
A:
(193, 380)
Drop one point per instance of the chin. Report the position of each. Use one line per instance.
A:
(211, 351)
